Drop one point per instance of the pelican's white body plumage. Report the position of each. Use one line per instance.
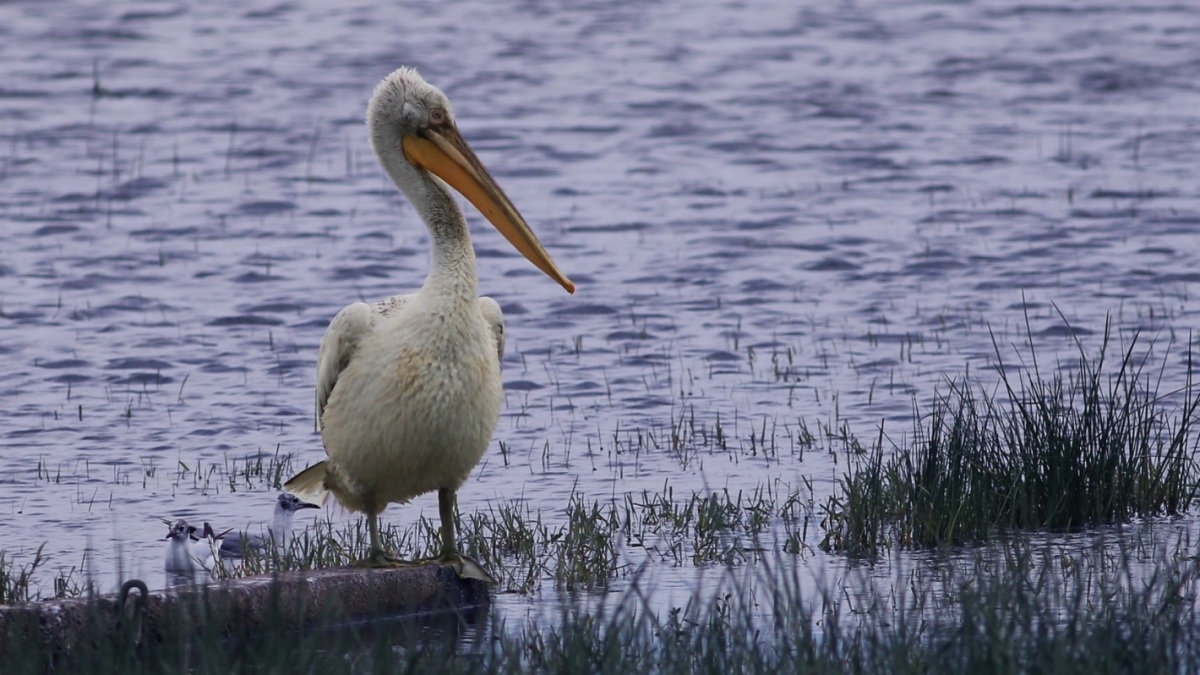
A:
(409, 388)
(418, 397)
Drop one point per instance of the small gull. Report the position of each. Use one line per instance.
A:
(279, 531)
(186, 554)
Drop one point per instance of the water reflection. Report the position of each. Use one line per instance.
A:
(197, 577)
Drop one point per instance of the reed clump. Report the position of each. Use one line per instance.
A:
(15, 579)
(1091, 445)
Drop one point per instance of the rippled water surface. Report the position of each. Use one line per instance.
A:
(777, 218)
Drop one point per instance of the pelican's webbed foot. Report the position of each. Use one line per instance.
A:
(380, 558)
(465, 566)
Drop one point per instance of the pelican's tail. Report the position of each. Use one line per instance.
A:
(309, 484)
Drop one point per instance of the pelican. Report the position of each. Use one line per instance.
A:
(409, 388)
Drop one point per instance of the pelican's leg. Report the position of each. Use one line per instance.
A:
(447, 500)
(466, 567)
(378, 557)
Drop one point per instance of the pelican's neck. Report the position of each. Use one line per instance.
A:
(452, 269)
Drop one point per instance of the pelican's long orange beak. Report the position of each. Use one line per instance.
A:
(444, 153)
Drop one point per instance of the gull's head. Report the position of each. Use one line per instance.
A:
(290, 503)
(180, 531)
(413, 132)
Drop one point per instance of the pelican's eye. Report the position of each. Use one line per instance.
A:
(437, 116)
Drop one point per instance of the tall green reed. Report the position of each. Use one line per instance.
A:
(1093, 444)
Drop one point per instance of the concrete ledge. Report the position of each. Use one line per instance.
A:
(292, 600)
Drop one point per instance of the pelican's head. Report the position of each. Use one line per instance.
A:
(412, 130)
(404, 104)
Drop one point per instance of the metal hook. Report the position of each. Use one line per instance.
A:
(133, 614)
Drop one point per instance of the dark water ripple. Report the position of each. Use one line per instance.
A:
(862, 189)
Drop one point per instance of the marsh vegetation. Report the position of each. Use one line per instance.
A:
(1113, 605)
(1047, 510)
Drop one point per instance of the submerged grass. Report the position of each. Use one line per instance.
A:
(593, 542)
(1014, 607)
(1087, 447)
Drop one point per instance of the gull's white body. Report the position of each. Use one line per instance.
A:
(185, 556)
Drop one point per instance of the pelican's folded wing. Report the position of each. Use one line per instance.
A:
(338, 346)
(495, 319)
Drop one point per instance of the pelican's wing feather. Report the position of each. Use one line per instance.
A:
(495, 320)
(341, 341)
